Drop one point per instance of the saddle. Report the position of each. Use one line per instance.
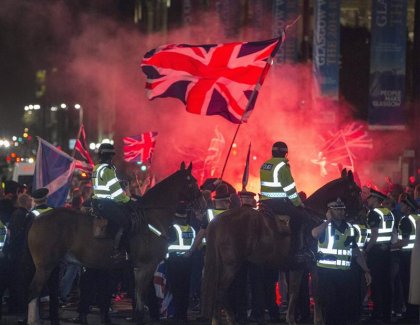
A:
(282, 221)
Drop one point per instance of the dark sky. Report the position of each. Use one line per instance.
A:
(36, 35)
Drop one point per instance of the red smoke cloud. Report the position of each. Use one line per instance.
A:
(104, 74)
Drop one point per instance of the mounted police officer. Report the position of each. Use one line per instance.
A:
(278, 193)
(336, 246)
(109, 197)
(381, 223)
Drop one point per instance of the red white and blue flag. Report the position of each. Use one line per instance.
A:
(84, 162)
(213, 79)
(140, 148)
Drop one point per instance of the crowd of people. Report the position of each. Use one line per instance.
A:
(373, 250)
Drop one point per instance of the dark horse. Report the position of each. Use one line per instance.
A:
(246, 235)
(64, 231)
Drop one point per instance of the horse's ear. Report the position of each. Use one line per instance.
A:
(350, 176)
(189, 167)
(182, 166)
(344, 173)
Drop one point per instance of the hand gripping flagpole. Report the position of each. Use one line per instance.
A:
(254, 94)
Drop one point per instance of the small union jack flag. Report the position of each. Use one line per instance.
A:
(140, 148)
(213, 79)
(85, 162)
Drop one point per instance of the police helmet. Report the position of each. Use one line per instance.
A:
(279, 149)
(106, 150)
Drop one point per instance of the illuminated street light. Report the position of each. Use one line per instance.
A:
(92, 146)
(37, 107)
(63, 106)
(77, 106)
(26, 108)
(54, 108)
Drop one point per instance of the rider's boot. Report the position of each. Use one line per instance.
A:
(118, 254)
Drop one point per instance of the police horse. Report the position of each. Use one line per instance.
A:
(247, 235)
(65, 231)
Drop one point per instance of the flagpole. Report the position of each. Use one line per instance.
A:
(78, 137)
(254, 93)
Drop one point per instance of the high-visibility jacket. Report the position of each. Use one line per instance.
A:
(211, 213)
(3, 235)
(385, 226)
(361, 233)
(185, 237)
(334, 252)
(106, 184)
(412, 238)
(37, 211)
(277, 181)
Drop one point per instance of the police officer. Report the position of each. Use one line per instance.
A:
(406, 239)
(336, 246)
(40, 197)
(381, 223)
(278, 192)
(179, 263)
(109, 197)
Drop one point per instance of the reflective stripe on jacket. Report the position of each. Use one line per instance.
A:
(386, 225)
(277, 181)
(3, 235)
(361, 233)
(185, 238)
(211, 213)
(38, 211)
(106, 184)
(333, 253)
(412, 238)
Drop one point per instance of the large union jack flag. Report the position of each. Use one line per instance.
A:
(214, 79)
(140, 148)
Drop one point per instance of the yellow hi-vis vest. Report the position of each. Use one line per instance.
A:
(386, 225)
(333, 253)
(412, 239)
(3, 235)
(185, 237)
(37, 212)
(277, 181)
(211, 213)
(361, 233)
(106, 184)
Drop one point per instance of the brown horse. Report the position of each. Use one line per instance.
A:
(64, 231)
(246, 235)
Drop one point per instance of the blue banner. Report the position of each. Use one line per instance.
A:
(286, 12)
(387, 64)
(326, 47)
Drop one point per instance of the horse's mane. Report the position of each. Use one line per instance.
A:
(163, 184)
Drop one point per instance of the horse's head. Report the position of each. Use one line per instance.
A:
(345, 188)
(190, 192)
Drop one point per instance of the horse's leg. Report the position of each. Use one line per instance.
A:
(38, 282)
(143, 274)
(295, 278)
(229, 273)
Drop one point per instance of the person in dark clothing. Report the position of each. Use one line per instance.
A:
(99, 284)
(7, 207)
(8, 203)
(17, 238)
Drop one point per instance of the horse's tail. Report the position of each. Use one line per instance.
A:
(211, 276)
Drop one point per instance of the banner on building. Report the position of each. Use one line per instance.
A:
(387, 64)
(326, 48)
(284, 12)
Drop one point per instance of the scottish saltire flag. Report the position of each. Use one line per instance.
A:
(81, 149)
(213, 79)
(53, 170)
(139, 148)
